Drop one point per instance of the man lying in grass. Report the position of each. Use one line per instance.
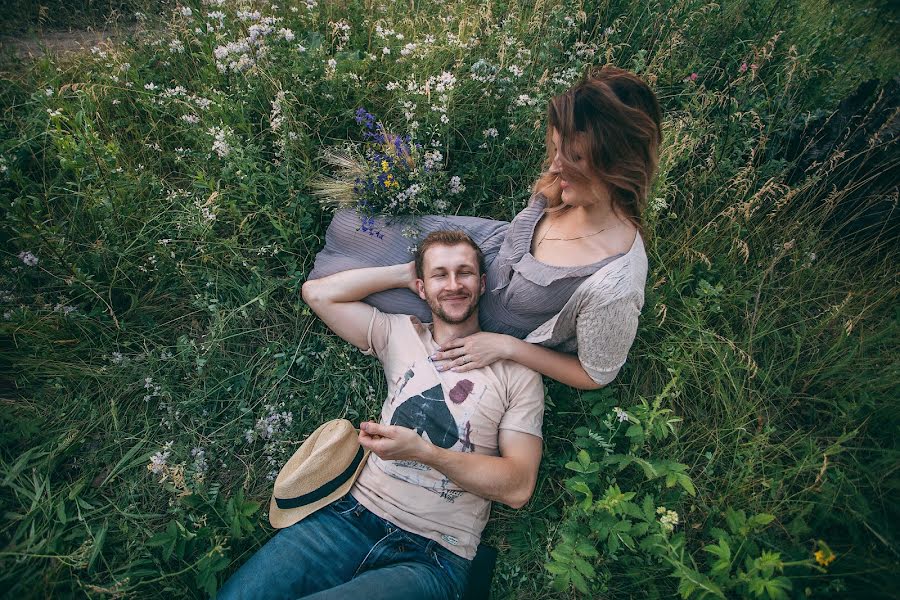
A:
(447, 445)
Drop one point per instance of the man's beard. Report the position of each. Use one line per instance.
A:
(439, 312)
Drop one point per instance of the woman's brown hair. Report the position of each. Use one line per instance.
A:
(620, 121)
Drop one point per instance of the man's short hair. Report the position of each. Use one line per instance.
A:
(446, 237)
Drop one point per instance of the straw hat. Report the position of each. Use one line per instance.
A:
(322, 470)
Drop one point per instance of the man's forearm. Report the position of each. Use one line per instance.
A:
(491, 477)
(356, 284)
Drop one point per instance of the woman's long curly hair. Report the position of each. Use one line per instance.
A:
(619, 120)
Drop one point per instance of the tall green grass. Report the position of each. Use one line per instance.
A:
(769, 326)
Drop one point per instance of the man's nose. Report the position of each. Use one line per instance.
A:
(452, 282)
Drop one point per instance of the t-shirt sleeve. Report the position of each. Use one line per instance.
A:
(605, 332)
(378, 334)
(526, 402)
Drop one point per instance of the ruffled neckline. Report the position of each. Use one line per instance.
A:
(518, 257)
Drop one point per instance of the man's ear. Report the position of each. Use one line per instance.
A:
(420, 286)
(483, 283)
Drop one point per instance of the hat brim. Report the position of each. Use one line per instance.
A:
(280, 518)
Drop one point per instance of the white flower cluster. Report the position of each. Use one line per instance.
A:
(621, 415)
(153, 389)
(242, 54)
(490, 132)
(456, 185)
(176, 46)
(341, 32)
(668, 519)
(28, 258)
(64, 309)
(565, 77)
(269, 426)
(409, 194)
(525, 100)
(483, 71)
(159, 460)
(201, 465)
(276, 120)
(220, 142)
(408, 49)
(434, 159)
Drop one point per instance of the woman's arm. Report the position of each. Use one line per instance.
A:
(483, 348)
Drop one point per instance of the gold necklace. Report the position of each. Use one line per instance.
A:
(564, 239)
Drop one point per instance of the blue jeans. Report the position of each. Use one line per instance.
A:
(345, 551)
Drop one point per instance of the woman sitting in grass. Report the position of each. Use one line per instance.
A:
(565, 278)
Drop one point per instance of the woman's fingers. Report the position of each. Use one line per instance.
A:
(454, 343)
(449, 354)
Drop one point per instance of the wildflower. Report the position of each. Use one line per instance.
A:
(48, 92)
(490, 132)
(693, 76)
(456, 185)
(220, 145)
(192, 119)
(186, 11)
(385, 51)
(158, 461)
(28, 258)
(668, 519)
(824, 555)
(743, 67)
(200, 462)
(286, 34)
(176, 47)
(621, 415)
(150, 87)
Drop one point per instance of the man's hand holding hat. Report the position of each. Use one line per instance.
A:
(392, 442)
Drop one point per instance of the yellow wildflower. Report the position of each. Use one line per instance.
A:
(384, 166)
(824, 556)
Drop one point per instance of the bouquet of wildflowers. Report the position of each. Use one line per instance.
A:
(386, 175)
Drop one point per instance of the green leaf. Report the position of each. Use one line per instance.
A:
(760, 520)
(685, 482)
(557, 568)
(585, 548)
(579, 582)
(585, 568)
(735, 519)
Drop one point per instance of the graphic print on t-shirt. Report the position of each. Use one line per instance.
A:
(443, 418)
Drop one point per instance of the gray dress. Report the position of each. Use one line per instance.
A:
(522, 292)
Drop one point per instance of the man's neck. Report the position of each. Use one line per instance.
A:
(443, 332)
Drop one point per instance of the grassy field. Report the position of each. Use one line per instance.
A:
(159, 365)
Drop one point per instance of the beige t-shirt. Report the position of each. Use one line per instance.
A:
(462, 412)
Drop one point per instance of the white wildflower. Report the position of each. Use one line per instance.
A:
(28, 258)
(456, 185)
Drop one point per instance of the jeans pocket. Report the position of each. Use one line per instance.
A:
(345, 504)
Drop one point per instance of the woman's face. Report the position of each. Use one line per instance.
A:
(577, 192)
